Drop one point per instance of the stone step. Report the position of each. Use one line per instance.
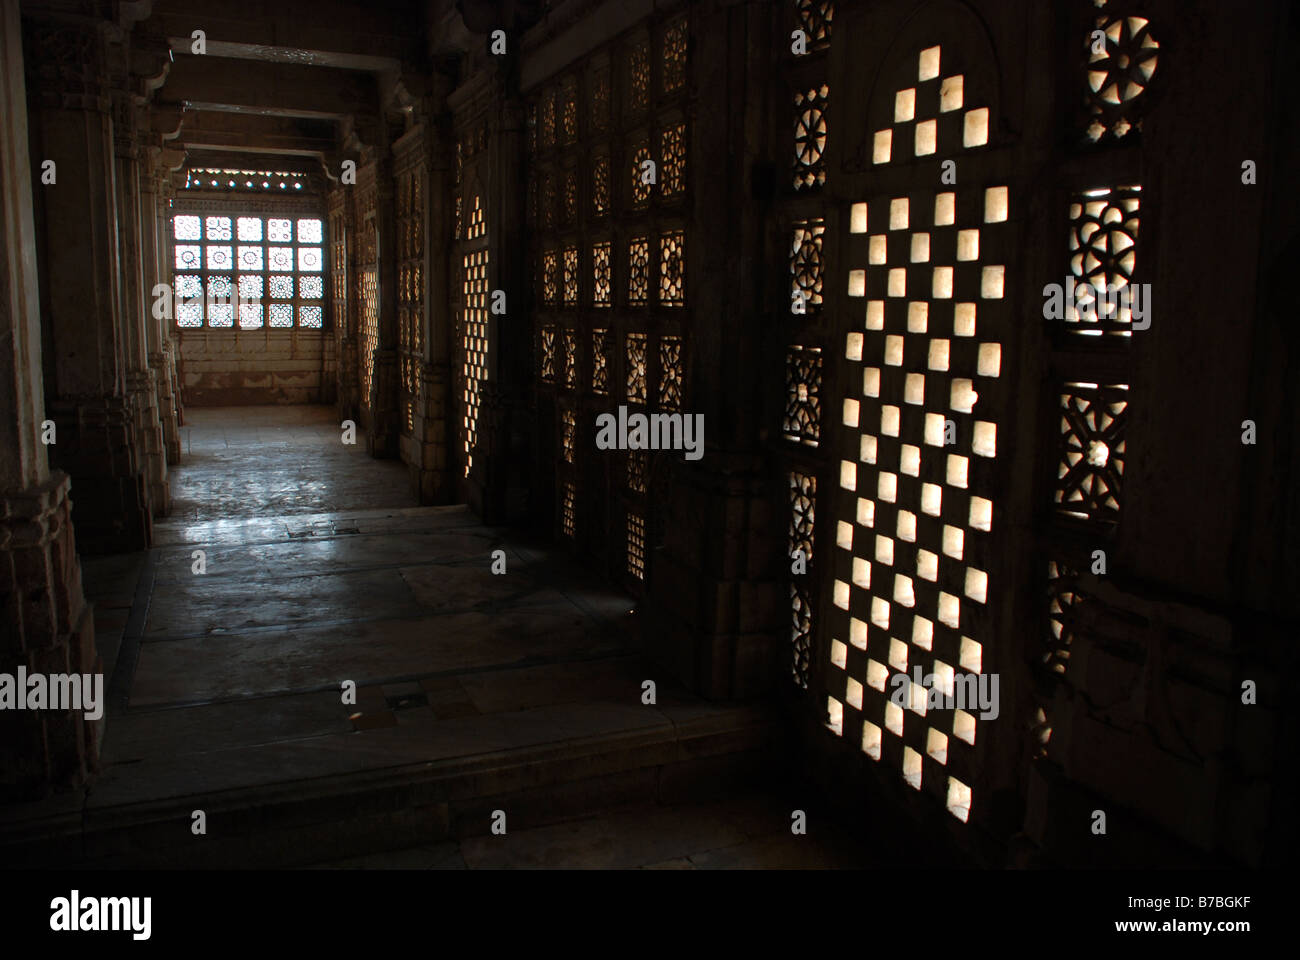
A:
(571, 760)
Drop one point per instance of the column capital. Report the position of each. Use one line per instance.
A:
(67, 62)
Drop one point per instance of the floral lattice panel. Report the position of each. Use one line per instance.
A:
(1090, 468)
(1121, 63)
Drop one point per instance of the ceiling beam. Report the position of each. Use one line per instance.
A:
(377, 35)
(270, 89)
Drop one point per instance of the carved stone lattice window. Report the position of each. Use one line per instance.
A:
(800, 634)
(224, 264)
(571, 197)
(636, 545)
(638, 77)
(674, 57)
(474, 328)
(546, 365)
(1118, 73)
(1063, 598)
(1103, 253)
(600, 186)
(571, 359)
(600, 97)
(914, 507)
(672, 269)
(569, 111)
(549, 198)
(806, 262)
(1091, 467)
(636, 470)
(477, 225)
(672, 160)
(670, 373)
(569, 509)
(548, 120)
(568, 435)
(600, 361)
(815, 21)
(810, 129)
(550, 278)
(602, 286)
(803, 404)
(638, 271)
(641, 185)
(570, 276)
(803, 505)
(803, 494)
(930, 116)
(636, 364)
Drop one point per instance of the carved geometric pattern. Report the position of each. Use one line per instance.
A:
(929, 116)
(806, 262)
(674, 57)
(1091, 467)
(569, 111)
(569, 510)
(600, 361)
(600, 186)
(477, 225)
(636, 367)
(670, 373)
(672, 268)
(600, 270)
(570, 197)
(474, 332)
(549, 197)
(672, 160)
(1063, 599)
(815, 20)
(568, 435)
(810, 137)
(571, 370)
(234, 275)
(1118, 74)
(914, 507)
(636, 545)
(548, 120)
(803, 515)
(550, 278)
(800, 634)
(641, 175)
(638, 271)
(803, 404)
(1103, 253)
(546, 366)
(600, 97)
(636, 470)
(638, 74)
(571, 276)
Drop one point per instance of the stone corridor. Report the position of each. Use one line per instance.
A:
(225, 686)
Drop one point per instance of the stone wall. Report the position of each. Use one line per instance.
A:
(237, 368)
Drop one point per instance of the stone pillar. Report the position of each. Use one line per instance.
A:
(155, 255)
(136, 315)
(506, 425)
(720, 612)
(86, 360)
(45, 623)
(385, 429)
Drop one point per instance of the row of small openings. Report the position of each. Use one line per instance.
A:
(251, 179)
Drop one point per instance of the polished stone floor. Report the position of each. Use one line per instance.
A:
(320, 573)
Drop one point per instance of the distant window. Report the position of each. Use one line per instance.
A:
(251, 270)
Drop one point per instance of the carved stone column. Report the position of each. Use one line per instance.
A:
(77, 219)
(45, 623)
